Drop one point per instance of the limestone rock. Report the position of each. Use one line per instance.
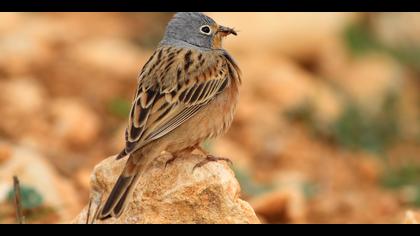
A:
(74, 122)
(370, 79)
(397, 29)
(35, 171)
(16, 102)
(286, 203)
(22, 97)
(5, 152)
(101, 54)
(173, 194)
(281, 206)
(411, 217)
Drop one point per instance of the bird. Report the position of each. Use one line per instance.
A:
(187, 92)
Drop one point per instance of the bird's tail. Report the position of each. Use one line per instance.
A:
(119, 196)
(122, 154)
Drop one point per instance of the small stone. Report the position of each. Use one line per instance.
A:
(74, 122)
(411, 217)
(370, 79)
(34, 171)
(118, 140)
(9, 21)
(22, 96)
(83, 178)
(282, 206)
(397, 29)
(285, 204)
(5, 152)
(114, 56)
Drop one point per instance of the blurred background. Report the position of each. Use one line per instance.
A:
(327, 129)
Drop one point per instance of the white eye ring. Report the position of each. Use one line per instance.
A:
(204, 28)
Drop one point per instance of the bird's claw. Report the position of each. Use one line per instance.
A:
(169, 161)
(210, 158)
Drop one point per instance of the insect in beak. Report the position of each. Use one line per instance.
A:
(225, 31)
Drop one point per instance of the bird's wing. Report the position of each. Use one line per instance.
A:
(173, 86)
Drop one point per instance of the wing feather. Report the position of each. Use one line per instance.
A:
(162, 106)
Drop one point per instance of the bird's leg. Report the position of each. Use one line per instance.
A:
(170, 160)
(209, 158)
(178, 154)
(201, 149)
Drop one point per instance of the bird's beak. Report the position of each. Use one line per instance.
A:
(225, 31)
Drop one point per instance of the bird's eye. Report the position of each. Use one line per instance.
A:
(205, 29)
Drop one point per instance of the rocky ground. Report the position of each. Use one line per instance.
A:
(327, 129)
(179, 194)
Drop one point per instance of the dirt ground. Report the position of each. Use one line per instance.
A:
(327, 129)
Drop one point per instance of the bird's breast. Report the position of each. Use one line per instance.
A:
(222, 110)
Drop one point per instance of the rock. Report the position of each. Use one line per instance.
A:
(333, 59)
(34, 171)
(411, 217)
(74, 122)
(286, 203)
(21, 96)
(9, 20)
(4, 191)
(370, 169)
(368, 80)
(397, 29)
(287, 85)
(118, 140)
(24, 48)
(277, 84)
(5, 152)
(281, 206)
(175, 194)
(113, 56)
(83, 178)
(408, 104)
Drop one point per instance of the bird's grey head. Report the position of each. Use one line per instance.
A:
(197, 29)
